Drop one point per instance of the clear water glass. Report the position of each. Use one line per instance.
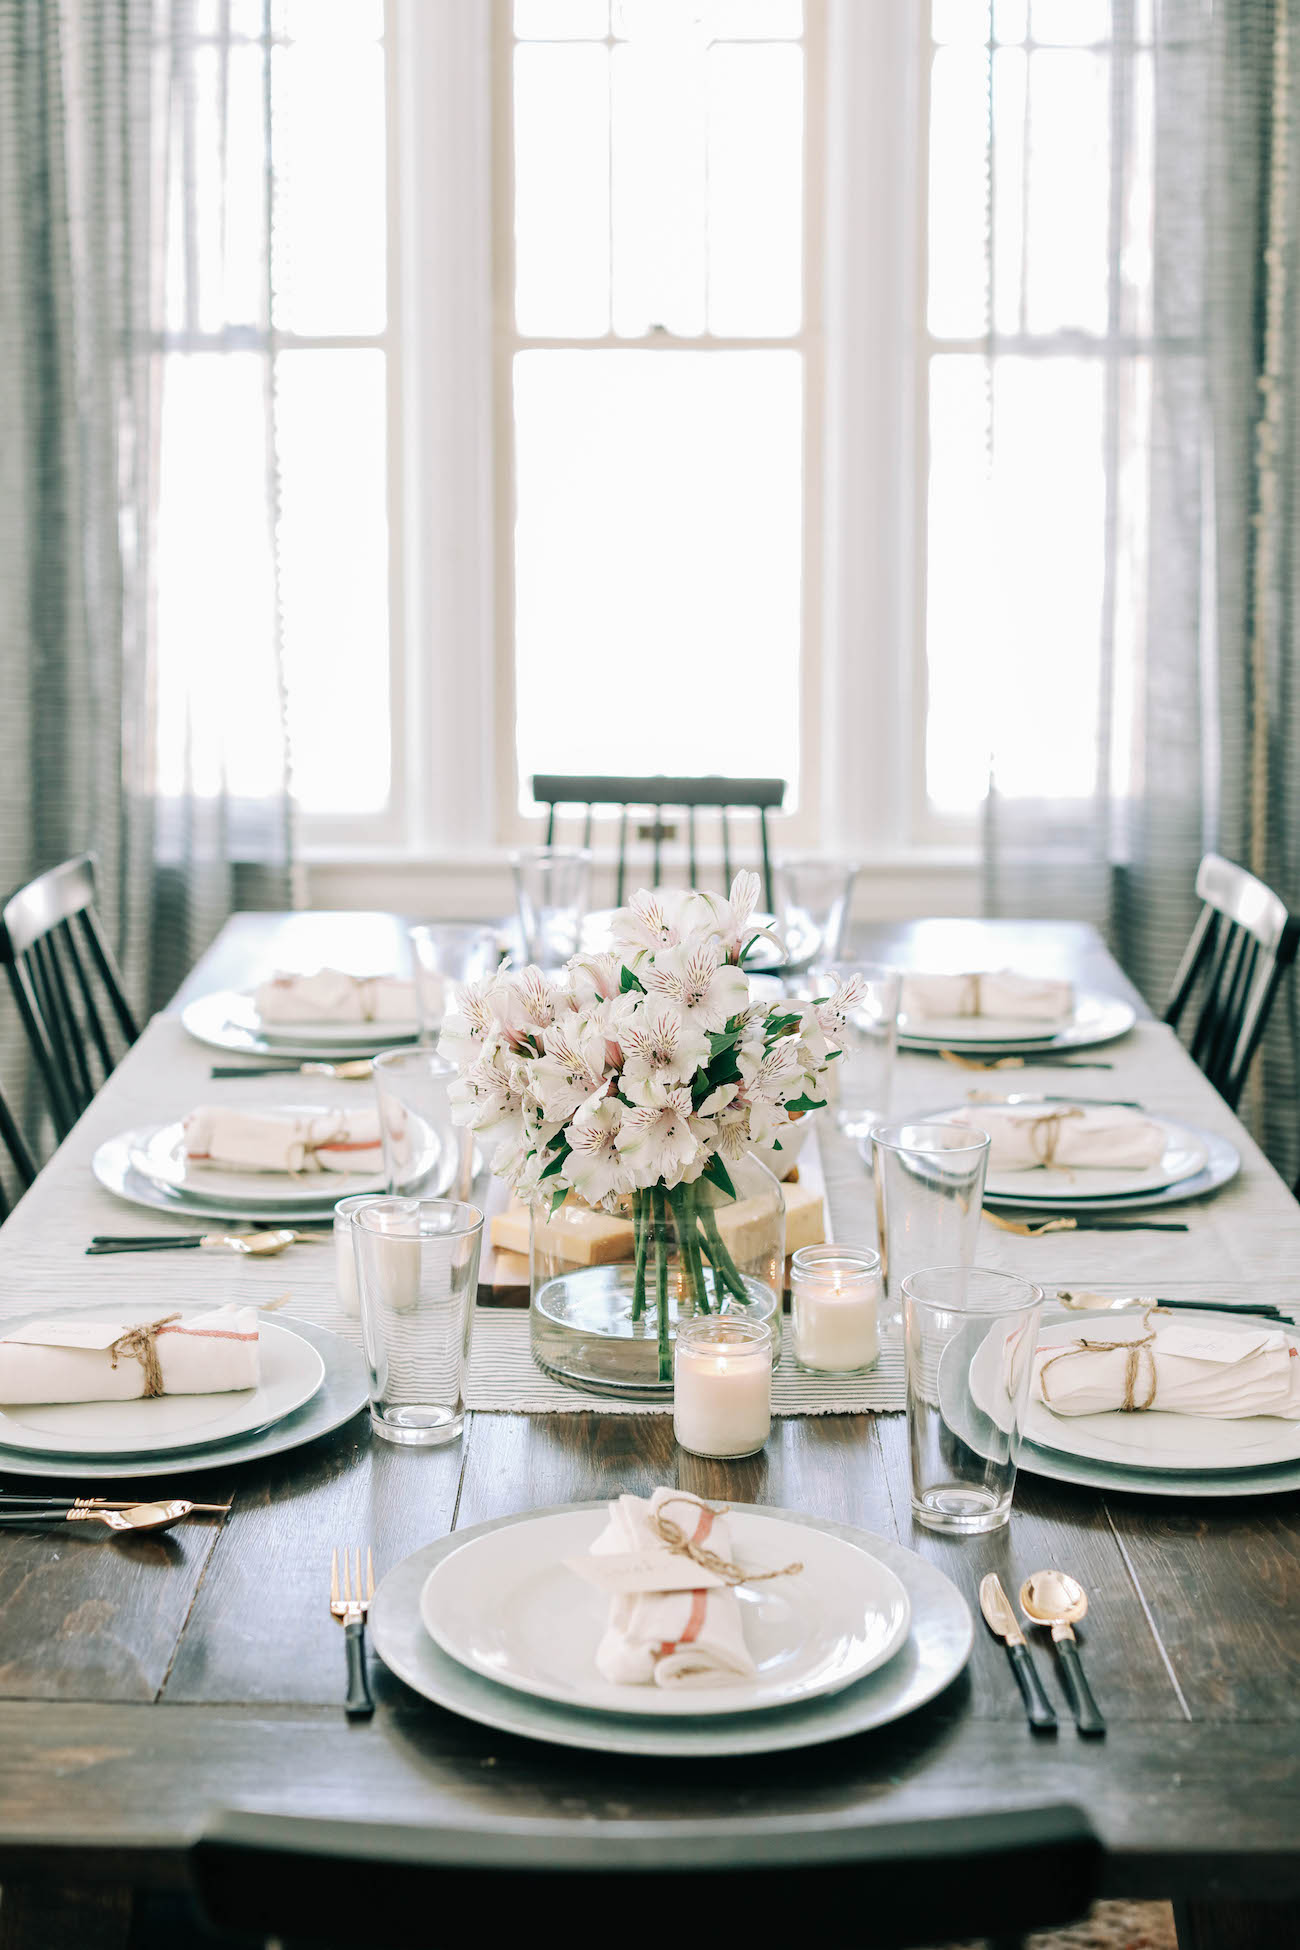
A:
(929, 1181)
(963, 1457)
(814, 895)
(446, 955)
(551, 884)
(860, 1082)
(417, 1272)
(426, 1153)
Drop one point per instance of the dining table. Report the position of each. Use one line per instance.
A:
(148, 1683)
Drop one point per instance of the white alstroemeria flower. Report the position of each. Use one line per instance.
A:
(779, 1069)
(595, 978)
(650, 921)
(659, 1041)
(595, 1167)
(655, 1136)
(572, 1068)
(731, 919)
(718, 1100)
(705, 989)
(463, 1035)
(526, 1003)
(486, 1097)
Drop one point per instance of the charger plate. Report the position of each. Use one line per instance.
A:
(1096, 1019)
(937, 1648)
(1222, 1163)
(114, 1170)
(1186, 1154)
(227, 1020)
(341, 1395)
(158, 1153)
(508, 1606)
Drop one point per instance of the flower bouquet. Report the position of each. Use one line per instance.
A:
(641, 1083)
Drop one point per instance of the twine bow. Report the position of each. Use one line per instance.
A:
(1045, 1134)
(1139, 1353)
(142, 1342)
(681, 1545)
(970, 1002)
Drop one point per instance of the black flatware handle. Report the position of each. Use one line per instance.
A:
(1039, 1710)
(1261, 1312)
(359, 1705)
(141, 1246)
(35, 1520)
(1087, 1713)
(1131, 1225)
(228, 1070)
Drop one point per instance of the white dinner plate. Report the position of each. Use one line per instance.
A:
(1185, 1154)
(1096, 1019)
(936, 1649)
(291, 1373)
(158, 1153)
(1146, 1441)
(508, 1606)
(227, 1020)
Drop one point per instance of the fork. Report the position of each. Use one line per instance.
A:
(350, 1610)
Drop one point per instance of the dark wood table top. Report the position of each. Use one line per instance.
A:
(144, 1684)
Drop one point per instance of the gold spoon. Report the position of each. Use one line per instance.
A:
(136, 1516)
(255, 1245)
(1055, 1599)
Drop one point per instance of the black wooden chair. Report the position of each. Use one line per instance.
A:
(556, 790)
(910, 1883)
(62, 974)
(13, 1150)
(1243, 943)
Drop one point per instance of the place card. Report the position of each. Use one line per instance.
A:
(97, 1334)
(623, 1572)
(1222, 1344)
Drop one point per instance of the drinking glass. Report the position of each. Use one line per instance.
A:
(860, 1080)
(345, 1258)
(417, 1271)
(426, 1154)
(963, 1456)
(929, 1195)
(447, 954)
(551, 898)
(813, 896)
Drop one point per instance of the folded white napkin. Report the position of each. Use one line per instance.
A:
(1228, 1372)
(331, 996)
(671, 1638)
(327, 1140)
(205, 1354)
(1001, 994)
(1067, 1136)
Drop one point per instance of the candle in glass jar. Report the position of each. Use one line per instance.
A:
(722, 1386)
(345, 1256)
(834, 1299)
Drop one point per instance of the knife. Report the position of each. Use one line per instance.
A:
(1001, 1621)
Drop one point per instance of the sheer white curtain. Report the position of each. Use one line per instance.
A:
(1184, 686)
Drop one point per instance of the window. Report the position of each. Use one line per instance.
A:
(656, 380)
(1038, 386)
(307, 272)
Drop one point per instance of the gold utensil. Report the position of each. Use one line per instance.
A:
(134, 1516)
(256, 1245)
(20, 1505)
(350, 1608)
(1055, 1599)
(1110, 1303)
(1001, 1620)
(1021, 1062)
(353, 1070)
(1032, 1229)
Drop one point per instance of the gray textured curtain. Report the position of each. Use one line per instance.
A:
(1195, 703)
(119, 191)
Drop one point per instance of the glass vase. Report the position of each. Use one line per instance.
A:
(608, 1288)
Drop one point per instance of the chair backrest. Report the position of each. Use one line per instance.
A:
(62, 974)
(19, 1157)
(924, 1882)
(659, 795)
(1243, 943)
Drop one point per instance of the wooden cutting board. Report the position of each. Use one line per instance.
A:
(503, 1268)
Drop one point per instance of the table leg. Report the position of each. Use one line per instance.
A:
(1235, 1926)
(42, 1916)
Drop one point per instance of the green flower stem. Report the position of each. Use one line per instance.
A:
(659, 1209)
(723, 1264)
(690, 1208)
(640, 1221)
(692, 1271)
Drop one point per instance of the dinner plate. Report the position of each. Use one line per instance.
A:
(114, 1170)
(1147, 1441)
(935, 1651)
(158, 1153)
(227, 1020)
(508, 1605)
(1096, 1019)
(1222, 1163)
(342, 1394)
(1185, 1154)
(291, 1372)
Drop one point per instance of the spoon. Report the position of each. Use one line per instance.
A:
(136, 1516)
(256, 1245)
(1054, 1598)
(1107, 1303)
(350, 1071)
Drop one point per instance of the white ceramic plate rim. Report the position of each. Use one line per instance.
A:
(1223, 1162)
(250, 1408)
(1097, 1018)
(572, 1535)
(1051, 1187)
(1198, 1444)
(158, 1154)
(208, 1019)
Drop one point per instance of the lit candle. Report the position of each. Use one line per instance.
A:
(722, 1386)
(834, 1298)
(345, 1257)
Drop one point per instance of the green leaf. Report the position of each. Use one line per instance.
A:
(628, 981)
(557, 1162)
(797, 1104)
(723, 1039)
(558, 1201)
(776, 1144)
(778, 1026)
(717, 1174)
(748, 945)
